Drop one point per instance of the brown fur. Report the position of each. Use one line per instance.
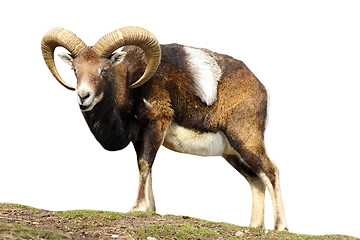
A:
(142, 115)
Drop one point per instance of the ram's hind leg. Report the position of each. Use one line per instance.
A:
(247, 139)
(257, 189)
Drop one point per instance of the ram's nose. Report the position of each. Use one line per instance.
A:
(83, 96)
(85, 99)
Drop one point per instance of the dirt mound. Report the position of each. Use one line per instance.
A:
(21, 222)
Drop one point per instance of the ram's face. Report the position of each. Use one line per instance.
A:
(93, 75)
(93, 66)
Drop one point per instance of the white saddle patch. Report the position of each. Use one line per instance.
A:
(206, 73)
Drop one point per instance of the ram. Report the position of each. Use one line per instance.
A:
(190, 100)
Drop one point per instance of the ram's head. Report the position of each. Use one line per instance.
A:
(92, 64)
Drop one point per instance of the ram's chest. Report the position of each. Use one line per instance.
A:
(185, 140)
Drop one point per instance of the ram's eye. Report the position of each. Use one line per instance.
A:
(104, 71)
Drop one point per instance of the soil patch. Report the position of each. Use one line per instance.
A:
(22, 222)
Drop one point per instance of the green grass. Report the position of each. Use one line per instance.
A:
(141, 214)
(15, 205)
(9, 231)
(176, 231)
(89, 215)
(140, 225)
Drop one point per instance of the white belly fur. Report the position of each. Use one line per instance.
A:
(185, 140)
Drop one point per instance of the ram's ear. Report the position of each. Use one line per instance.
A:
(117, 58)
(67, 58)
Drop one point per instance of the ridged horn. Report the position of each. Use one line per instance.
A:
(132, 36)
(56, 37)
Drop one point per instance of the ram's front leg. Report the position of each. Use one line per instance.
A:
(146, 150)
(145, 199)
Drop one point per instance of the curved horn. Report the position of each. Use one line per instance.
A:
(132, 36)
(60, 37)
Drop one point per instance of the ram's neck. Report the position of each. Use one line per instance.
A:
(120, 91)
(109, 120)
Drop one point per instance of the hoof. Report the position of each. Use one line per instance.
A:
(138, 209)
(281, 228)
(261, 226)
(142, 208)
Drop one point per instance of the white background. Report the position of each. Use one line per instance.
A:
(307, 54)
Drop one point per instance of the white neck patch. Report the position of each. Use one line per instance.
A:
(206, 73)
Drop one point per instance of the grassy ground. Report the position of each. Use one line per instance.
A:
(21, 222)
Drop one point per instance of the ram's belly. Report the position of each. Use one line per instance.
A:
(185, 140)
